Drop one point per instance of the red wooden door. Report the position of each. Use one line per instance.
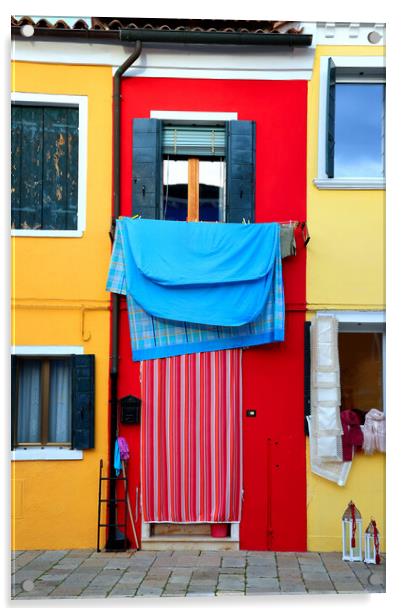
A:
(274, 504)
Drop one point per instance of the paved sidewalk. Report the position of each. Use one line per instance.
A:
(76, 574)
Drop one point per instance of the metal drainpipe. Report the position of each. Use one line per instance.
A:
(113, 542)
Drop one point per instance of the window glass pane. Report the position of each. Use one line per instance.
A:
(360, 359)
(175, 189)
(60, 402)
(212, 190)
(359, 130)
(29, 401)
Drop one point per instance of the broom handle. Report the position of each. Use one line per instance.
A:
(129, 507)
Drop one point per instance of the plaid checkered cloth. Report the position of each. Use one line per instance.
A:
(152, 337)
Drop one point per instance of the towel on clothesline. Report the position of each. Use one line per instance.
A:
(374, 432)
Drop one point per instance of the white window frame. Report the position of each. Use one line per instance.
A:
(337, 183)
(64, 100)
(367, 321)
(196, 116)
(46, 453)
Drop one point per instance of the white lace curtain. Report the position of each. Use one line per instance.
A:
(29, 401)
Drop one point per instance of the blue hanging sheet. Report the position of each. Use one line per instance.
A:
(212, 274)
(133, 270)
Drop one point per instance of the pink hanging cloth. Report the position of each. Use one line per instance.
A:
(123, 448)
(352, 434)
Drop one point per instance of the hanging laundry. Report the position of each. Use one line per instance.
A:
(199, 273)
(153, 337)
(117, 459)
(123, 448)
(352, 433)
(374, 432)
(288, 240)
(335, 471)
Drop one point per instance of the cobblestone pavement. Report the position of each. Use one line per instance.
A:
(76, 574)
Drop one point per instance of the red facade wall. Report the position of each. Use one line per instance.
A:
(274, 507)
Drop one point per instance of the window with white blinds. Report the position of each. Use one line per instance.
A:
(194, 140)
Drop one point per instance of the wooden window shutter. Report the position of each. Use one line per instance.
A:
(307, 375)
(330, 140)
(14, 401)
(44, 167)
(240, 190)
(147, 167)
(83, 401)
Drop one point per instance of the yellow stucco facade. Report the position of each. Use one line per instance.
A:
(345, 271)
(59, 299)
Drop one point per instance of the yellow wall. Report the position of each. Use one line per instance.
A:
(346, 255)
(326, 502)
(59, 298)
(345, 270)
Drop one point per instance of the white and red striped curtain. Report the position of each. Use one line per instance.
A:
(191, 441)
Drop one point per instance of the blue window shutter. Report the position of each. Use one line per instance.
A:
(14, 401)
(307, 370)
(330, 138)
(16, 137)
(44, 167)
(147, 167)
(31, 178)
(240, 189)
(83, 401)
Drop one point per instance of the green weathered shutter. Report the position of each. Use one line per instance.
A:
(44, 167)
(14, 401)
(330, 141)
(83, 401)
(16, 136)
(60, 169)
(31, 177)
(147, 167)
(240, 189)
(307, 371)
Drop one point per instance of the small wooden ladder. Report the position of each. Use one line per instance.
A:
(122, 527)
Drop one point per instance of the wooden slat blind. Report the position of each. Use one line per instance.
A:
(44, 167)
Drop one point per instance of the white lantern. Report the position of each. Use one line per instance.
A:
(352, 533)
(372, 544)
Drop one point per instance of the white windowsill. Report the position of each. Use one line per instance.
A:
(46, 453)
(350, 183)
(39, 233)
